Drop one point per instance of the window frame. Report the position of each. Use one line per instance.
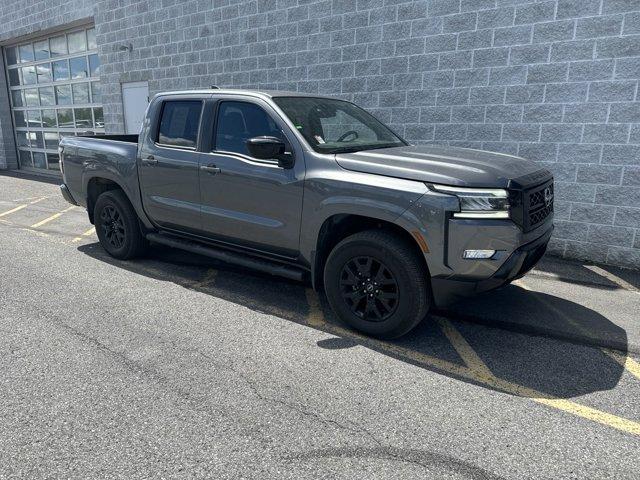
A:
(156, 134)
(274, 117)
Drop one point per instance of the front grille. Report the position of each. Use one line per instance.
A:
(539, 205)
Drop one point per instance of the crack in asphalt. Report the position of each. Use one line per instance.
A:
(381, 450)
(137, 367)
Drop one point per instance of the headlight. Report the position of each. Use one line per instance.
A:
(478, 202)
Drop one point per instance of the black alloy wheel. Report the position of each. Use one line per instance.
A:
(117, 226)
(377, 282)
(113, 227)
(369, 288)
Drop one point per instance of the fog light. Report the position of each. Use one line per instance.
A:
(478, 254)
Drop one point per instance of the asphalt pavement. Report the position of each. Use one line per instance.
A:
(176, 366)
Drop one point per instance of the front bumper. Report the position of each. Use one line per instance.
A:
(67, 194)
(521, 260)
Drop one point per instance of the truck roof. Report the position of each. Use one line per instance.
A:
(253, 93)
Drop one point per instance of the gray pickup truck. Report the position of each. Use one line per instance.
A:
(314, 189)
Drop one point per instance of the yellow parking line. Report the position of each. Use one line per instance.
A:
(613, 278)
(51, 218)
(627, 362)
(315, 318)
(85, 234)
(632, 366)
(209, 278)
(568, 406)
(482, 376)
(466, 352)
(20, 207)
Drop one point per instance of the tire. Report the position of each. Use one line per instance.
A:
(395, 271)
(117, 226)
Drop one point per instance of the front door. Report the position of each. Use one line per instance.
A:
(169, 165)
(248, 201)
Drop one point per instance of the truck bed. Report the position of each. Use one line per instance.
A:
(107, 156)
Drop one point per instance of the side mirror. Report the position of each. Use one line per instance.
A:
(270, 148)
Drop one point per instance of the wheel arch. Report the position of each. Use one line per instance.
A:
(339, 226)
(96, 186)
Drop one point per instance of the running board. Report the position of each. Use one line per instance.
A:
(227, 256)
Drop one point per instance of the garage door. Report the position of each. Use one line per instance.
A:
(54, 85)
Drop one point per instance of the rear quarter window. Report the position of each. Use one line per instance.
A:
(179, 123)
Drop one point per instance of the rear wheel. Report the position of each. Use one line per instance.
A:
(376, 282)
(117, 225)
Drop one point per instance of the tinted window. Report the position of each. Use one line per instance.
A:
(239, 121)
(11, 54)
(179, 123)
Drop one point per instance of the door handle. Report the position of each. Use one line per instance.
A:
(150, 160)
(212, 169)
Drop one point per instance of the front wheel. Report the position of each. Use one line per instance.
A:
(376, 282)
(117, 225)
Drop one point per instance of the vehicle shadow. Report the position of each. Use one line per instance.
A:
(517, 309)
(540, 363)
(572, 271)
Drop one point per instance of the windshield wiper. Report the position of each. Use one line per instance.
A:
(361, 148)
(346, 149)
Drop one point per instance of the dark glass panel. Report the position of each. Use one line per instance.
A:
(83, 117)
(39, 160)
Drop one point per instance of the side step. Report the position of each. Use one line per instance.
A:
(227, 256)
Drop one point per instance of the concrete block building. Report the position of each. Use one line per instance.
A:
(555, 81)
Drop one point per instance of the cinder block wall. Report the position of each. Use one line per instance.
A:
(555, 81)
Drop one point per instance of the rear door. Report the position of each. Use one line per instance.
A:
(246, 201)
(169, 163)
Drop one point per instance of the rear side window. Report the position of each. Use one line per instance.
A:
(238, 122)
(179, 123)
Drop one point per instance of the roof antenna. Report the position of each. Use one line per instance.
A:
(214, 87)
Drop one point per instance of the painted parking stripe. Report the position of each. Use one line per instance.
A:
(631, 365)
(315, 318)
(485, 375)
(466, 352)
(51, 218)
(20, 207)
(613, 278)
(207, 281)
(627, 362)
(84, 235)
(482, 376)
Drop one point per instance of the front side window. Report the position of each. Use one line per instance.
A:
(237, 122)
(336, 126)
(179, 123)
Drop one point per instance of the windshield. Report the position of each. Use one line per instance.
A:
(336, 126)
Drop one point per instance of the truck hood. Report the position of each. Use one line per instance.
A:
(462, 167)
